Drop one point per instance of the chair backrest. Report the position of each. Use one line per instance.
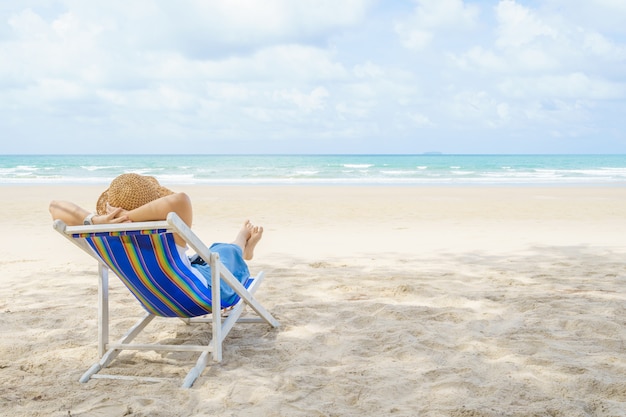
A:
(149, 264)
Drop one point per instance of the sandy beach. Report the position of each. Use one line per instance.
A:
(393, 301)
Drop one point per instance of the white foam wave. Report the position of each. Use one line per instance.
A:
(99, 167)
(358, 166)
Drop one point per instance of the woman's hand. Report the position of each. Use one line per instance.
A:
(114, 215)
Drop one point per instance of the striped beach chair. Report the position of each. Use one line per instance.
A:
(145, 258)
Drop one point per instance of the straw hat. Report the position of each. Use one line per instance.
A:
(130, 191)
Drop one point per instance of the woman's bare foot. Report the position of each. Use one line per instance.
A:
(244, 234)
(256, 233)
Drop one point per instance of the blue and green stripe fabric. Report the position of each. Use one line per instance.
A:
(149, 264)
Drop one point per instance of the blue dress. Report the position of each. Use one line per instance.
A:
(231, 256)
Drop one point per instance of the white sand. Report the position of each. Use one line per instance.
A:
(403, 301)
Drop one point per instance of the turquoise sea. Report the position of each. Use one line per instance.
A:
(426, 169)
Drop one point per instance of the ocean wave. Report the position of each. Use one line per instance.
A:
(358, 166)
(317, 169)
(99, 168)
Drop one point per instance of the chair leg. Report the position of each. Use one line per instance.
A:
(113, 352)
(217, 302)
(103, 308)
(195, 372)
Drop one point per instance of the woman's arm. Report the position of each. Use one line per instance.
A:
(74, 215)
(179, 203)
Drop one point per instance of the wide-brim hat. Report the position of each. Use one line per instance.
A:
(129, 191)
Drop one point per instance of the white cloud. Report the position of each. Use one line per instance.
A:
(355, 110)
(593, 15)
(54, 89)
(519, 26)
(308, 102)
(367, 70)
(414, 38)
(604, 48)
(419, 30)
(478, 57)
(216, 28)
(569, 86)
(421, 120)
(29, 25)
(233, 92)
(539, 43)
(503, 111)
(473, 106)
(534, 60)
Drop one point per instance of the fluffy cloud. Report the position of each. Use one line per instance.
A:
(519, 26)
(315, 75)
(432, 16)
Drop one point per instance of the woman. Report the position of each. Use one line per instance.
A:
(137, 198)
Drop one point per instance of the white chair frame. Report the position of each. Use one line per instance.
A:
(220, 326)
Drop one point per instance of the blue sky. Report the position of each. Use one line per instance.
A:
(325, 76)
